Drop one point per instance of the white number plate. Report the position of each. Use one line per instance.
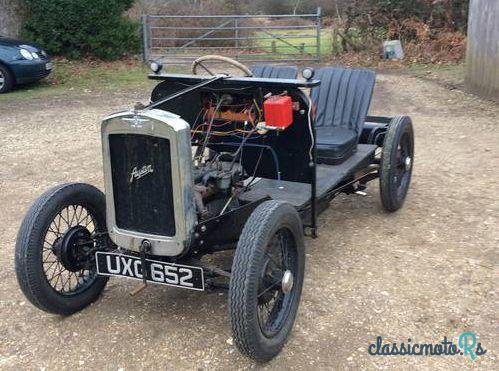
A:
(49, 66)
(115, 264)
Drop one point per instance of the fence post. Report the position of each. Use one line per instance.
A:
(145, 37)
(236, 32)
(334, 41)
(319, 13)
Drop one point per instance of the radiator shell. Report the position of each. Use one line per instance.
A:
(148, 180)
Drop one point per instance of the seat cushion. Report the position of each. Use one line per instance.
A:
(335, 144)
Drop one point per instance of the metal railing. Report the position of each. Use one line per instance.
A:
(177, 39)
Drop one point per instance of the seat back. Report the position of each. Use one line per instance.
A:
(274, 72)
(343, 97)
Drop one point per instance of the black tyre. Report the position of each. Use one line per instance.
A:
(266, 280)
(56, 245)
(6, 79)
(397, 158)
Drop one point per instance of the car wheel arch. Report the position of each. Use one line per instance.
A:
(6, 65)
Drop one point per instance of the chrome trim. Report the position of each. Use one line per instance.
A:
(167, 125)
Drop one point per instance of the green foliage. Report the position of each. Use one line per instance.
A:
(75, 28)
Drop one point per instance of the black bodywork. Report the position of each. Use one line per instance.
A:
(290, 170)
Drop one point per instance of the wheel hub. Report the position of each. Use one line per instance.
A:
(287, 281)
(407, 163)
(72, 248)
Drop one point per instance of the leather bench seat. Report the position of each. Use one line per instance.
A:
(335, 144)
(342, 101)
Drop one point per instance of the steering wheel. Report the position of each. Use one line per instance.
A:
(199, 62)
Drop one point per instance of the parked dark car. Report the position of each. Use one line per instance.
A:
(21, 63)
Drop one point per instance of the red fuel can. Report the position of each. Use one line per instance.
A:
(278, 112)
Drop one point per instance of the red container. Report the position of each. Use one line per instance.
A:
(278, 112)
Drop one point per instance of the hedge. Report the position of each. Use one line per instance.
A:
(76, 28)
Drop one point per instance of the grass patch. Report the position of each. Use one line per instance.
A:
(302, 42)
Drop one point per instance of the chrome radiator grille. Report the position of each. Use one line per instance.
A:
(148, 178)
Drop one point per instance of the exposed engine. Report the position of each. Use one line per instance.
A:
(219, 177)
(241, 116)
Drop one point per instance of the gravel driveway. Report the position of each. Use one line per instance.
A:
(425, 272)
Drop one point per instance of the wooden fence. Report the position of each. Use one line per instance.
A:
(482, 57)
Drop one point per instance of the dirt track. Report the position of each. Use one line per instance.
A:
(426, 272)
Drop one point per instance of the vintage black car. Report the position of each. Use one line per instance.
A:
(217, 163)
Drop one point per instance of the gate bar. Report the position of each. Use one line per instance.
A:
(237, 16)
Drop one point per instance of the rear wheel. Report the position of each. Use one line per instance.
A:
(6, 80)
(266, 280)
(55, 248)
(397, 160)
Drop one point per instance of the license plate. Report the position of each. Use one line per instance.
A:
(115, 264)
(49, 66)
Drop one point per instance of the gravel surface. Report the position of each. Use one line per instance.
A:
(425, 272)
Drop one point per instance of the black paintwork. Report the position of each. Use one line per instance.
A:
(236, 82)
(214, 233)
(374, 130)
(328, 178)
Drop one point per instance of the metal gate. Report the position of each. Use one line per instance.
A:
(177, 39)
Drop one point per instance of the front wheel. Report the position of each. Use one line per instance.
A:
(397, 159)
(266, 280)
(56, 246)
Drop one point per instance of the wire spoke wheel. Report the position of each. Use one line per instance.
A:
(56, 245)
(70, 269)
(274, 298)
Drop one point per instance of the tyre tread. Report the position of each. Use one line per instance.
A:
(27, 276)
(388, 197)
(243, 274)
(9, 81)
